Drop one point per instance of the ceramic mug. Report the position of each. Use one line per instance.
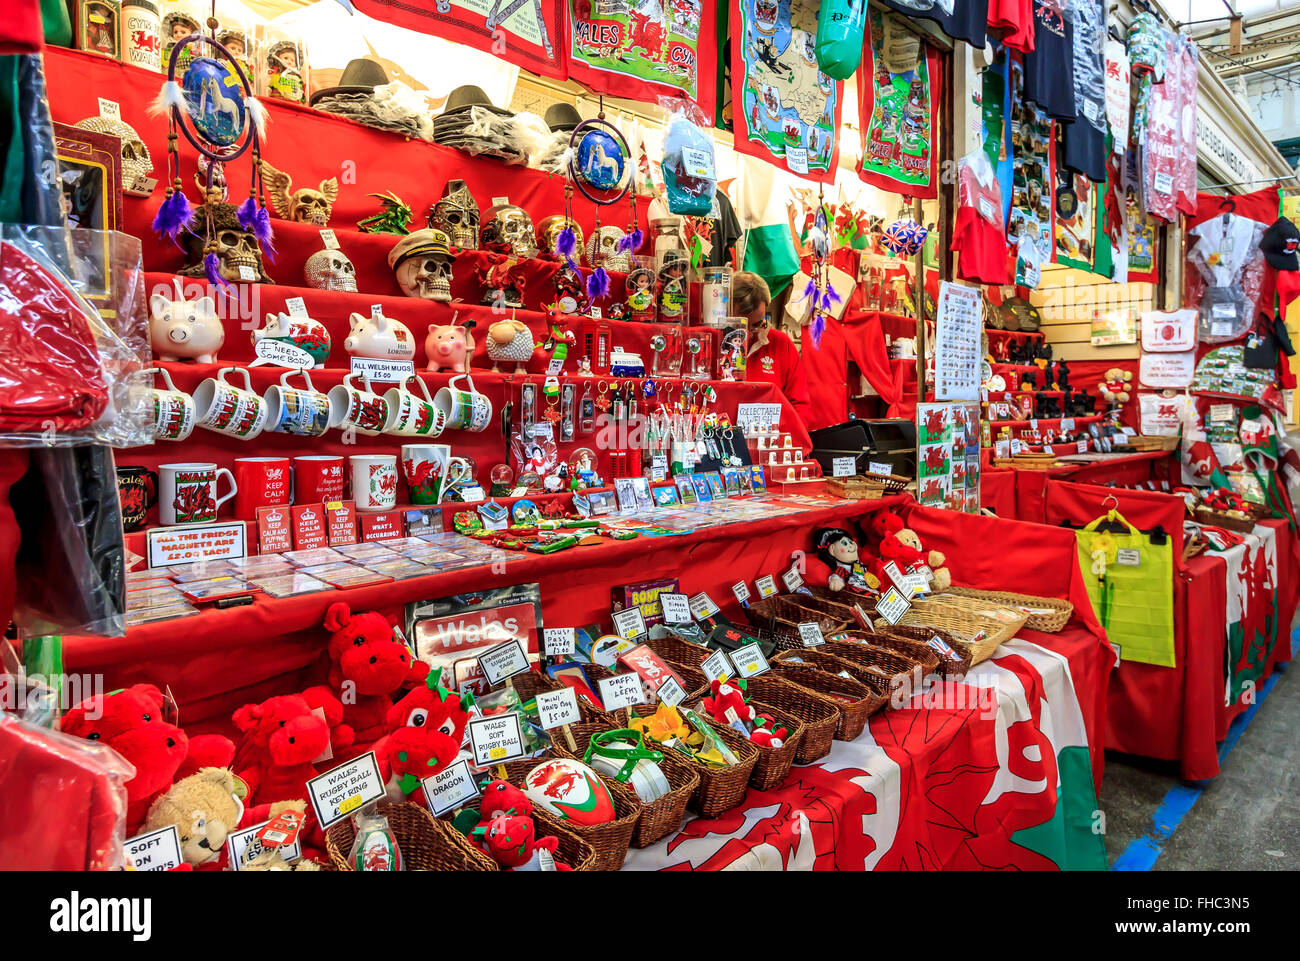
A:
(187, 493)
(173, 410)
(317, 478)
(359, 409)
(463, 409)
(290, 410)
(235, 412)
(429, 470)
(137, 489)
(374, 481)
(409, 415)
(261, 482)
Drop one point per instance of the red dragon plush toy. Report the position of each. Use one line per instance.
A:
(726, 702)
(367, 666)
(131, 722)
(425, 730)
(283, 736)
(511, 841)
(502, 797)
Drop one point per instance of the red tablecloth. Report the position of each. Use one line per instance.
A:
(1031, 485)
(998, 492)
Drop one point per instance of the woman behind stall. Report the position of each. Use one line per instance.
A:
(771, 355)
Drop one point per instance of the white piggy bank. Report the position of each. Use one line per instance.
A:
(377, 336)
(185, 329)
(301, 332)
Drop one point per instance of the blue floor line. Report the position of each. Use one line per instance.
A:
(1141, 854)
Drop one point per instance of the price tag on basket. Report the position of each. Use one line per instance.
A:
(677, 610)
(670, 692)
(496, 739)
(629, 623)
(811, 634)
(749, 661)
(843, 466)
(451, 788)
(880, 467)
(766, 585)
(702, 606)
(792, 579)
(892, 605)
(717, 666)
(559, 641)
(557, 708)
(621, 690)
(503, 661)
(907, 584)
(741, 590)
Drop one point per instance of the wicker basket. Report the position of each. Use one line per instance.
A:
(902, 664)
(778, 618)
(1212, 518)
(720, 789)
(774, 762)
(893, 483)
(659, 817)
(905, 638)
(856, 697)
(426, 843)
(856, 488)
(572, 849)
(1147, 442)
(835, 605)
(1046, 614)
(611, 840)
(530, 684)
(980, 625)
(678, 650)
(820, 718)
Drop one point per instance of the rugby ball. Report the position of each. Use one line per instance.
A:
(571, 791)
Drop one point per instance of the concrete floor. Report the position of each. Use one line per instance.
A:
(1246, 819)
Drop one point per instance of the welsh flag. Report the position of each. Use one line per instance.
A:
(1253, 623)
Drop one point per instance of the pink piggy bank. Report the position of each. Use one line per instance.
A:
(450, 347)
(185, 329)
(377, 336)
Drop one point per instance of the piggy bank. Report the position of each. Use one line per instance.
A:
(185, 329)
(307, 335)
(450, 347)
(378, 337)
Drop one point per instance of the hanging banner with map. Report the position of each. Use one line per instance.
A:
(643, 49)
(784, 109)
(898, 106)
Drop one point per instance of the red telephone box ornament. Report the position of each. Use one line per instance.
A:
(597, 341)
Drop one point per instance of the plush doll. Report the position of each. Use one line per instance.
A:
(502, 797)
(726, 703)
(510, 840)
(902, 545)
(839, 550)
(767, 733)
(130, 721)
(1114, 389)
(283, 736)
(425, 729)
(367, 666)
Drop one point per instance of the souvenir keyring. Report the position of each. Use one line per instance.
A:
(602, 400)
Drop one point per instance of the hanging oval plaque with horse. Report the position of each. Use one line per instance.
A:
(214, 100)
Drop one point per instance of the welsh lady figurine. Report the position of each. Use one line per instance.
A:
(837, 548)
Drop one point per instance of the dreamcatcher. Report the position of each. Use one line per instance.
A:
(208, 100)
(819, 293)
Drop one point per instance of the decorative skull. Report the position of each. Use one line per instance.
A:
(304, 205)
(456, 215)
(548, 235)
(238, 255)
(330, 270)
(421, 262)
(136, 162)
(602, 250)
(509, 225)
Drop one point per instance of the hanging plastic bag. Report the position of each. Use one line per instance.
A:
(689, 168)
(840, 27)
(375, 847)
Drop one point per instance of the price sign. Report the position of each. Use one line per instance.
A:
(741, 590)
(702, 606)
(793, 580)
(892, 605)
(156, 851)
(1082, 446)
(341, 790)
(670, 692)
(881, 467)
(329, 239)
(629, 623)
(749, 661)
(811, 634)
(1221, 413)
(843, 467)
(503, 661)
(556, 708)
(110, 109)
(496, 739)
(716, 666)
(766, 585)
(1067, 423)
(1016, 446)
(677, 609)
(296, 306)
(559, 641)
(621, 690)
(1129, 557)
(450, 789)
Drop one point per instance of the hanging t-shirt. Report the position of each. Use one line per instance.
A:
(1085, 139)
(960, 19)
(1049, 69)
(1013, 21)
(1163, 138)
(1185, 169)
(726, 231)
(978, 234)
(1118, 94)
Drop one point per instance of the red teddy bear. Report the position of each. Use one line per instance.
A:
(131, 722)
(368, 664)
(425, 730)
(283, 736)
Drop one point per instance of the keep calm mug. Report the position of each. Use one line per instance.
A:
(409, 415)
(173, 410)
(463, 409)
(359, 409)
(290, 410)
(374, 481)
(261, 482)
(137, 489)
(187, 493)
(235, 412)
(317, 479)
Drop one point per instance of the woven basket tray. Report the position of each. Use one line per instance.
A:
(902, 665)
(659, 817)
(426, 843)
(819, 717)
(856, 488)
(980, 625)
(679, 651)
(610, 841)
(720, 789)
(530, 684)
(774, 762)
(1212, 518)
(905, 638)
(819, 674)
(777, 619)
(1046, 614)
(572, 850)
(893, 483)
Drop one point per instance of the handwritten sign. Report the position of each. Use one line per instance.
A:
(677, 609)
(793, 580)
(621, 690)
(559, 641)
(741, 590)
(557, 708)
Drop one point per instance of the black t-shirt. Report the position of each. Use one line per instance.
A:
(1049, 70)
(726, 231)
(1083, 150)
(960, 19)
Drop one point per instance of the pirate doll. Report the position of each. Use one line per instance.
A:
(839, 551)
